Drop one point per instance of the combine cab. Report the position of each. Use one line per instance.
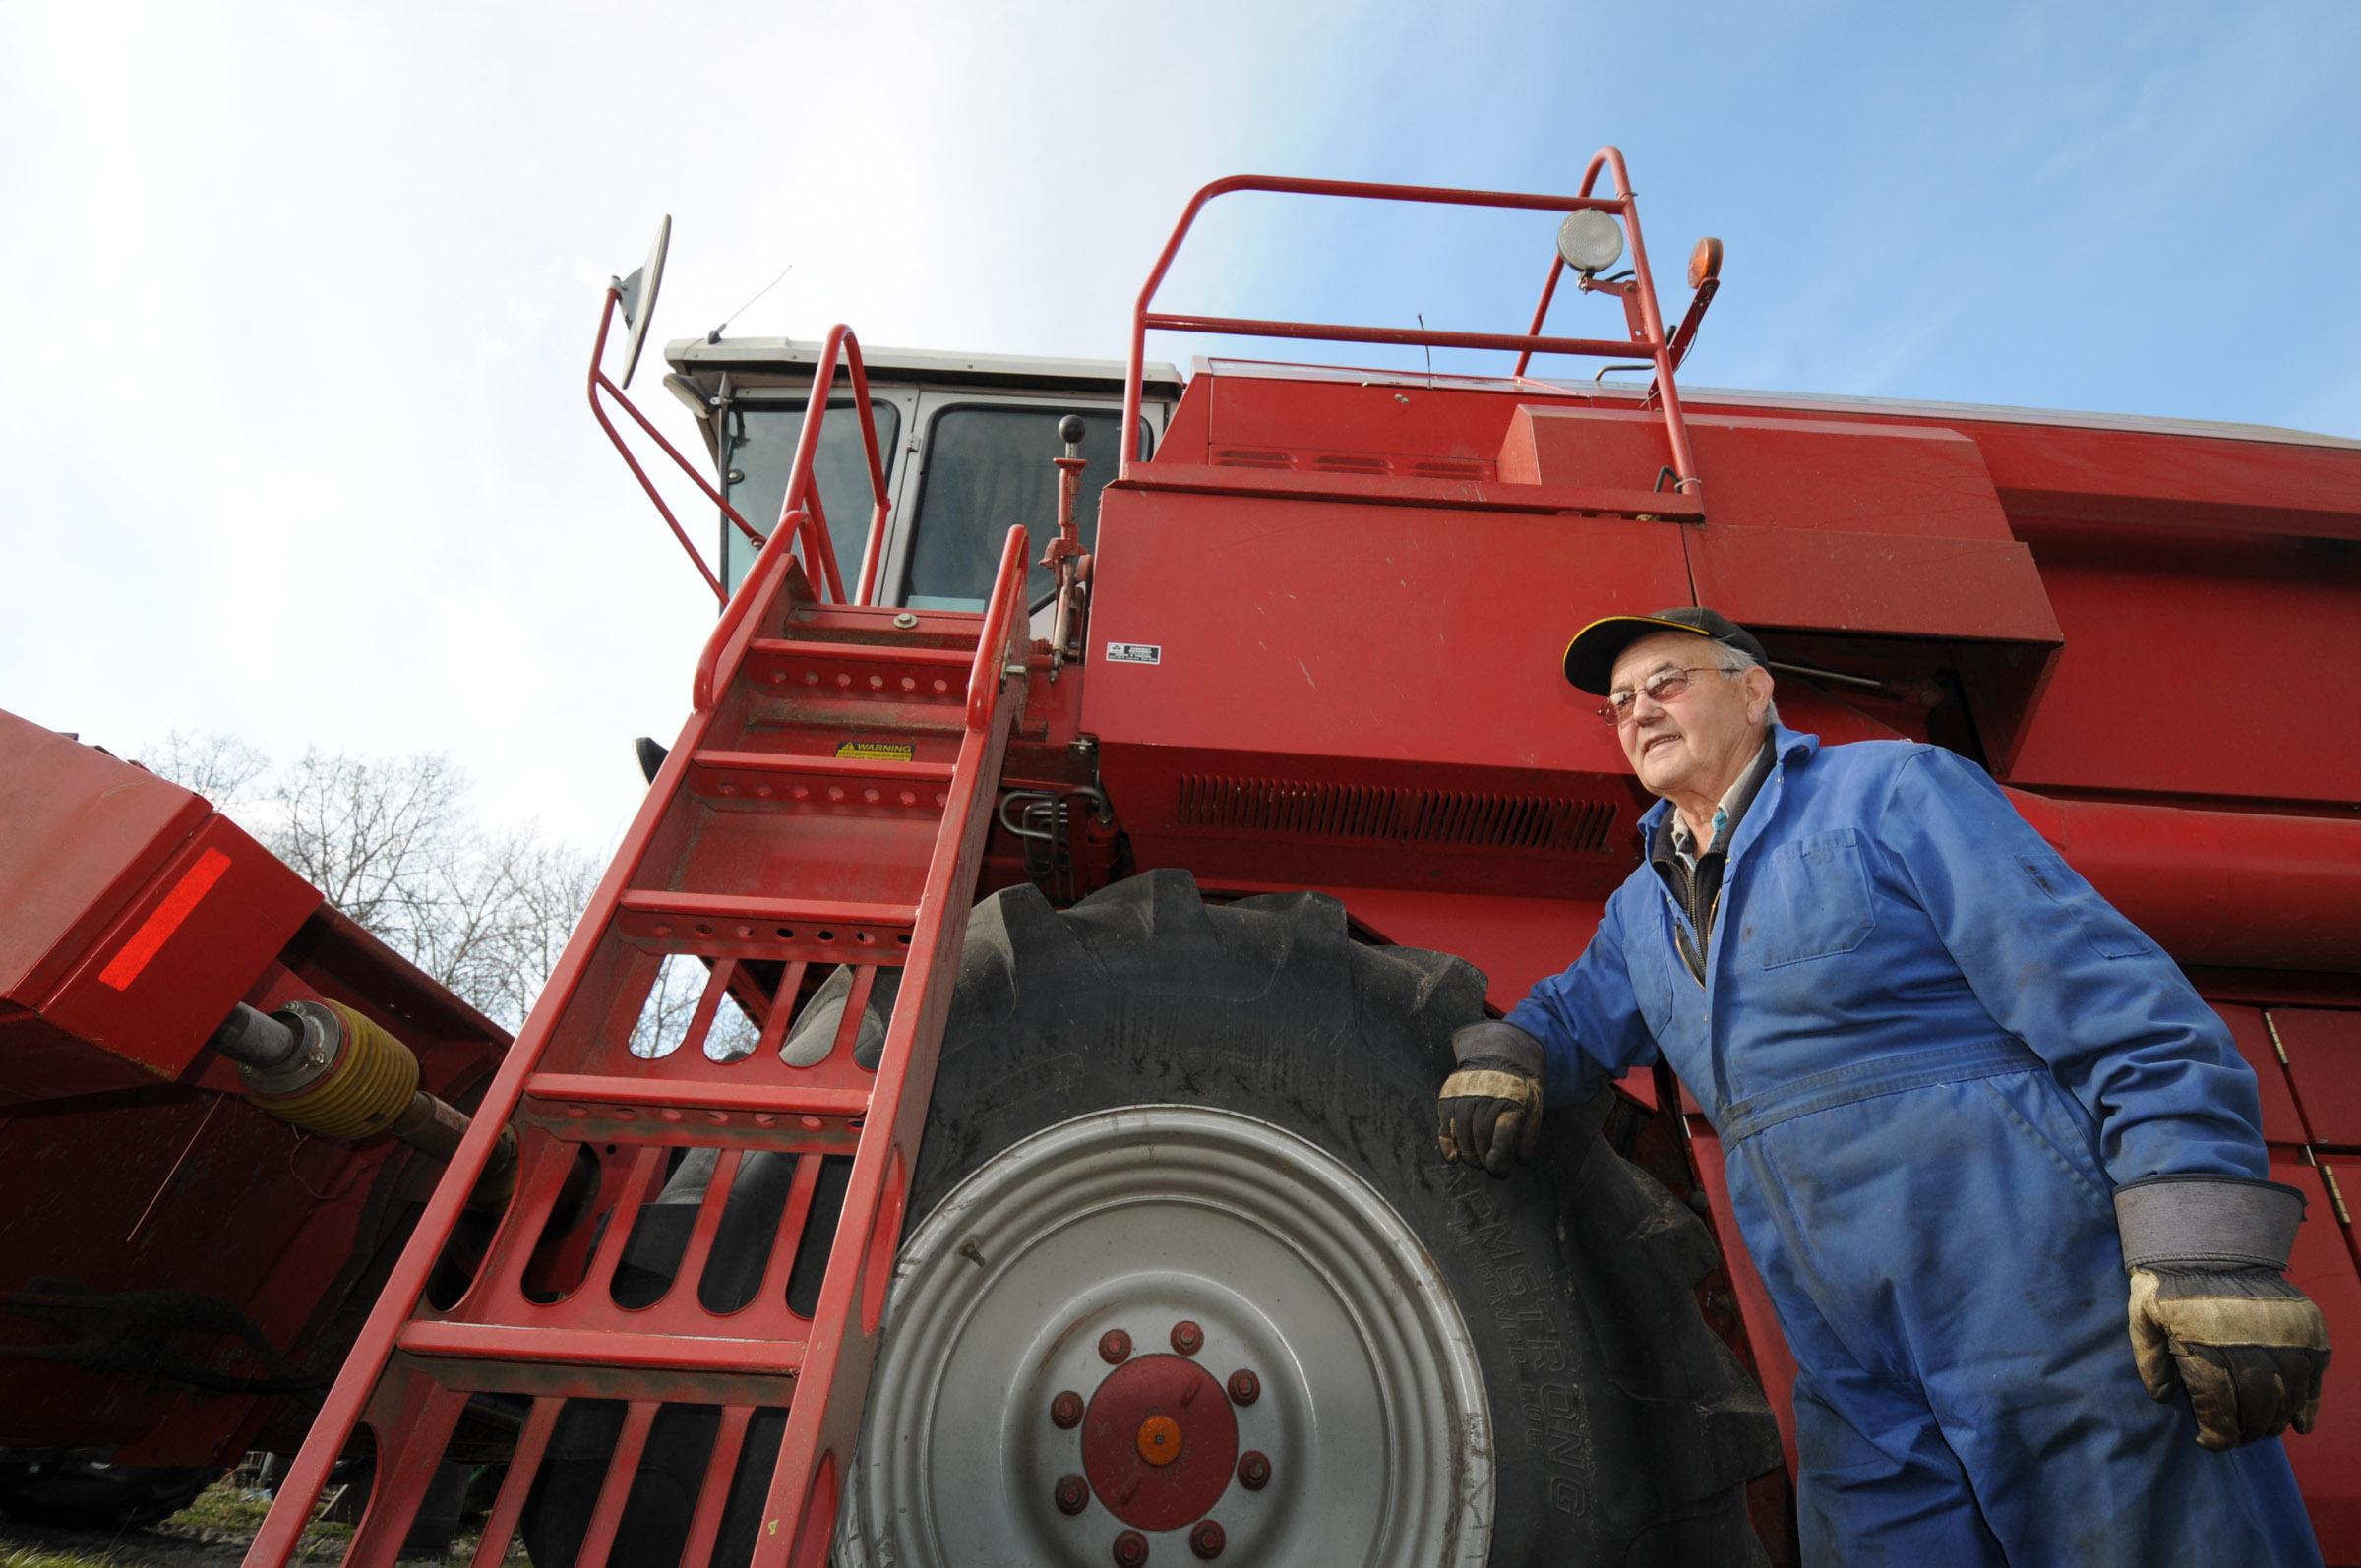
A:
(1101, 1219)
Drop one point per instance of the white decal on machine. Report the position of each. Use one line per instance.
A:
(1134, 653)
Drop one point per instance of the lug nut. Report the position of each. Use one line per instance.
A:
(1131, 1549)
(1244, 1387)
(1074, 1494)
(1188, 1337)
(1253, 1469)
(1207, 1540)
(1114, 1346)
(1066, 1411)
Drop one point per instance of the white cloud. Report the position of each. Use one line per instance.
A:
(293, 415)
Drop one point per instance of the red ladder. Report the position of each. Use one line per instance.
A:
(827, 804)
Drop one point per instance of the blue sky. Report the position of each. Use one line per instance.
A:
(2117, 207)
(292, 414)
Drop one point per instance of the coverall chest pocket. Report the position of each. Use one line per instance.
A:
(1647, 957)
(1810, 900)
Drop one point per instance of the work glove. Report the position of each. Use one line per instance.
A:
(1491, 1104)
(2210, 1313)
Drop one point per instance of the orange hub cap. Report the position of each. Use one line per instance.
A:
(1159, 1439)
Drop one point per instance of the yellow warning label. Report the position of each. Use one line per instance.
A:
(876, 751)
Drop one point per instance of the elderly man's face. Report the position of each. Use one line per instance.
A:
(1701, 741)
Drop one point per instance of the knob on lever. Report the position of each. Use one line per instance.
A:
(1069, 431)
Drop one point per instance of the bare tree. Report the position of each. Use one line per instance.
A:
(391, 842)
(386, 839)
(220, 768)
(542, 888)
(671, 1006)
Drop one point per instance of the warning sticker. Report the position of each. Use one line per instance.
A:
(874, 750)
(1135, 653)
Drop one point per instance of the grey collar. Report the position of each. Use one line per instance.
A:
(1674, 837)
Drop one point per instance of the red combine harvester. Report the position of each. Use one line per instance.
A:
(190, 1247)
(1259, 755)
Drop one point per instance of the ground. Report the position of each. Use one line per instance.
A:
(211, 1532)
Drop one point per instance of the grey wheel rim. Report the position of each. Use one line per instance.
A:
(1372, 1410)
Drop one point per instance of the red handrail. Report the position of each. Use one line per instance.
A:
(801, 515)
(1648, 337)
(991, 648)
(599, 382)
(1652, 321)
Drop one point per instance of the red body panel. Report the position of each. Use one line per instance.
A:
(165, 1233)
(1359, 586)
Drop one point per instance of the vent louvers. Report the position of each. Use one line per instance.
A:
(1349, 462)
(1386, 812)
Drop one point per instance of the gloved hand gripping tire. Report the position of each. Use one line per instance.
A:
(1492, 1106)
(2210, 1313)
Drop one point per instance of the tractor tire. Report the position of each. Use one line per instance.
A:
(1202, 1077)
(83, 1494)
(1151, 1113)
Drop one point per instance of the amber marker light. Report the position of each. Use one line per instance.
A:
(1705, 262)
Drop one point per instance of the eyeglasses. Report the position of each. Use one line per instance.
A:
(1664, 686)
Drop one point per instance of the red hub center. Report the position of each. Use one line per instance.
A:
(1143, 1412)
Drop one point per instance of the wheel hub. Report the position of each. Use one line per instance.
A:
(1329, 1407)
(1158, 1442)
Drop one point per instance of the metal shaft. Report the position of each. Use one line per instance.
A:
(287, 1059)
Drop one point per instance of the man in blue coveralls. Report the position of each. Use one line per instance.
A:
(1961, 1098)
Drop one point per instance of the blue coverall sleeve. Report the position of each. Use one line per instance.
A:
(2058, 967)
(1586, 1018)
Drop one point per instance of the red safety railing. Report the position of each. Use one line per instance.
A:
(1000, 614)
(1646, 322)
(599, 382)
(802, 515)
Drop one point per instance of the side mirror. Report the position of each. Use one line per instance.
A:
(638, 297)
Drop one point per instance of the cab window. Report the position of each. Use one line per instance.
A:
(988, 468)
(757, 453)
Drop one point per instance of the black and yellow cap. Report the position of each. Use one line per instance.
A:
(1591, 656)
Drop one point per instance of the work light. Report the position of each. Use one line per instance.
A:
(1590, 240)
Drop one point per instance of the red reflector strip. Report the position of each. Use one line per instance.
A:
(158, 929)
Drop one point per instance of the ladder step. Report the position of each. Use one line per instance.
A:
(690, 1368)
(592, 1108)
(656, 1096)
(875, 783)
(878, 671)
(831, 623)
(908, 656)
(747, 926)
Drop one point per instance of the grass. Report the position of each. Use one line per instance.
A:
(225, 1507)
(226, 1511)
(225, 1516)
